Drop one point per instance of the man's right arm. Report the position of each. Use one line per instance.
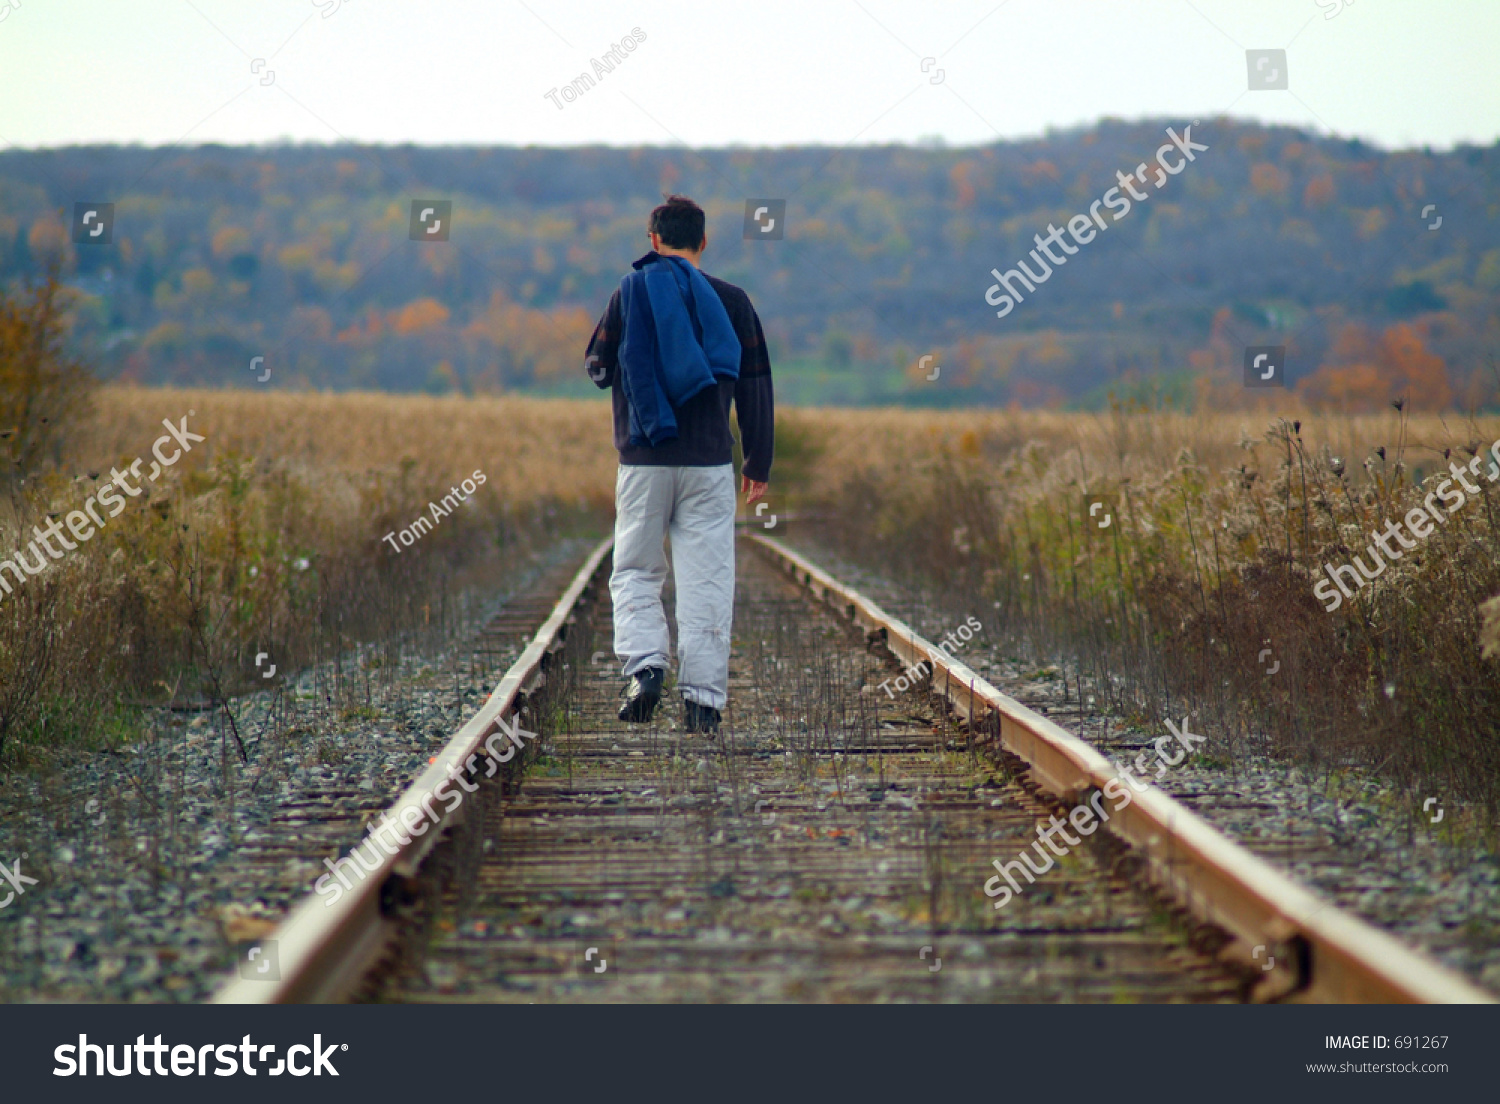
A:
(603, 354)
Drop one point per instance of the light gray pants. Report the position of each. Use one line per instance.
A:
(695, 506)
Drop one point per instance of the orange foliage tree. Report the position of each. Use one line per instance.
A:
(1365, 373)
(420, 315)
(1267, 179)
(1319, 190)
(547, 344)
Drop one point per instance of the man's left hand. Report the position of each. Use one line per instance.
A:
(753, 490)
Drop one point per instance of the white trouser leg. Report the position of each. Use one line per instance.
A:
(643, 509)
(702, 529)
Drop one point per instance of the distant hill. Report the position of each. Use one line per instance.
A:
(1272, 236)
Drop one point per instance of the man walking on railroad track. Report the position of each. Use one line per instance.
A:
(677, 347)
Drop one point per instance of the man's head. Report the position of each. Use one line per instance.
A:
(676, 228)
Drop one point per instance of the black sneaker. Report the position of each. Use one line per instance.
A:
(642, 694)
(700, 718)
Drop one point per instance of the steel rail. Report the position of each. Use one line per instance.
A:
(325, 947)
(1309, 949)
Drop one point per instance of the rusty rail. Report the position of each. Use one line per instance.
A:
(1320, 953)
(324, 948)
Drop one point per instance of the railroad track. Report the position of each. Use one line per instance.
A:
(830, 845)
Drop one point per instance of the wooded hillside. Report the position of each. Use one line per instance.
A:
(302, 255)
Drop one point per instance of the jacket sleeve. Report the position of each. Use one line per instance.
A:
(603, 354)
(754, 403)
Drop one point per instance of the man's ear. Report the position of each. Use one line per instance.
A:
(704, 243)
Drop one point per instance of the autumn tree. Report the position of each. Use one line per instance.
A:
(43, 390)
(1267, 179)
(1365, 373)
(1319, 192)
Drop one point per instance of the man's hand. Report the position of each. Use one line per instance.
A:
(753, 490)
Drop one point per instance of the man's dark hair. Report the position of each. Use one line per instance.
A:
(679, 221)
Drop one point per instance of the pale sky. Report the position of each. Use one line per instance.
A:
(722, 72)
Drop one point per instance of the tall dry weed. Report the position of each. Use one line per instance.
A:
(1202, 584)
(267, 538)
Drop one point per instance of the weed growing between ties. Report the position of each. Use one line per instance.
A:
(1192, 583)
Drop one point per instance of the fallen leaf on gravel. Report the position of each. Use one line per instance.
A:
(239, 923)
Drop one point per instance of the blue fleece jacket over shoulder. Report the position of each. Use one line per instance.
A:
(677, 341)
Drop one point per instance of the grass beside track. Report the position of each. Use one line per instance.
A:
(1201, 584)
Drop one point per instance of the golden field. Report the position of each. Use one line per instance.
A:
(527, 447)
(270, 532)
(558, 447)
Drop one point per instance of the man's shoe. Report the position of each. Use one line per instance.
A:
(700, 718)
(642, 694)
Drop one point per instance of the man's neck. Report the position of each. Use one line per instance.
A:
(690, 258)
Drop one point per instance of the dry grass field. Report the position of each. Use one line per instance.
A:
(267, 537)
(529, 448)
(1220, 528)
(545, 448)
(271, 530)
